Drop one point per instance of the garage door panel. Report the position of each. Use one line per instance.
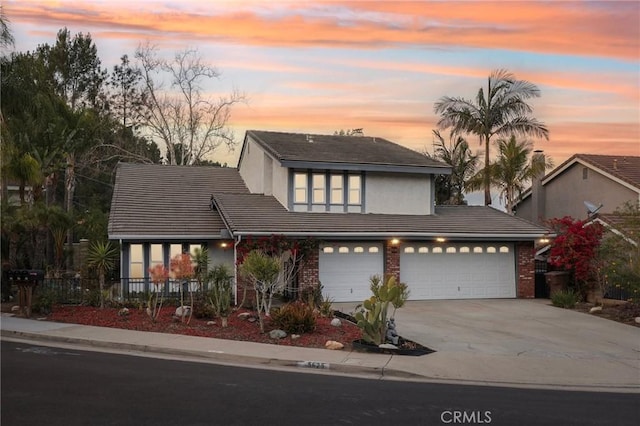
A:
(458, 271)
(345, 270)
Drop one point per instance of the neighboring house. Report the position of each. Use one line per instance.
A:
(602, 182)
(369, 203)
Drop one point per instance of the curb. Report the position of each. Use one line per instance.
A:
(229, 358)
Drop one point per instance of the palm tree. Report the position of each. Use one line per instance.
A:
(6, 38)
(450, 189)
(102, 256)
(511, 171)
(501, 111)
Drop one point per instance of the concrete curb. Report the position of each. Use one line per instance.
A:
(229, 358)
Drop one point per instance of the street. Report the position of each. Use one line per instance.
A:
(57, 386)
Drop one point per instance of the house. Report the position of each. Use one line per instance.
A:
(583, 185)
(367, 201)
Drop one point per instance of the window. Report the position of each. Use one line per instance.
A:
(136, 263)
(373, 249)
(464, 249)
(327, 250)
(477, 249)
(355, 196)
(337, 194)
(504, 249)
(358, 250)
(409, 250)
(451, 249)
(437, 250)
(491, 249)
(343, 250)
(300, 188)
(318, 182)
(585, 173)
(423, 250)
(156, 255)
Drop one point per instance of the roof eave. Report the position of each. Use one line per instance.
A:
(394, 168)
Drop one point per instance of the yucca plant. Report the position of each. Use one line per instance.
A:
(102, 257)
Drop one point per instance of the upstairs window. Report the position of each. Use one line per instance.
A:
(318, 181)
(337, 189)
(300, 188)
(355, 193)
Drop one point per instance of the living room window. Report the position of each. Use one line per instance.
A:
(327, 191)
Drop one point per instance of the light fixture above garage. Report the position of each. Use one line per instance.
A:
(440, 240)
(395, 241)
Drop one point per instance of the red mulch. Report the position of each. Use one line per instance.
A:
(237, 328)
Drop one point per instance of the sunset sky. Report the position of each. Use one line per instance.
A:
(316, 67)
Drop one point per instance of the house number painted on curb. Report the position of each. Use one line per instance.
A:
(314, 364)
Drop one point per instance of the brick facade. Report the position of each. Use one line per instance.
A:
(309, 274)
(392, 260)
(525, 272)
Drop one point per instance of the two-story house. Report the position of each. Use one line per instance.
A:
(369, 202)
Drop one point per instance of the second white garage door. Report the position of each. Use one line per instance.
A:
(345, 269)
(458, 271)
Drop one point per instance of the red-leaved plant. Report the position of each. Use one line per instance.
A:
(182, 270)
(575, 247)
(159, 276)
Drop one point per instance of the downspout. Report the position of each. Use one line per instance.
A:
(235, 268)
(121, 270)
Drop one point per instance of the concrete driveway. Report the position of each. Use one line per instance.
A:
(519, 341)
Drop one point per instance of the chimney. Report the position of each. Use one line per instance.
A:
(538, 206)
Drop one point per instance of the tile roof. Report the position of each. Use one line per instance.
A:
(253, 214)
(157, 201)
(340, 149)
(624, 167)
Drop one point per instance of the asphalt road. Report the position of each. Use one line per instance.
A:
(54, 386)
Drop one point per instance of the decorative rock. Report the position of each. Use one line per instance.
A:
(182, 311)
(252, 319)
(124, 312)
(595, 310)
(15, 308)
(211, 323)
(333, 345)
(637, 320)
(295, 336)
(336, 322)
(387, 346)
(244, 315)
(277, 334)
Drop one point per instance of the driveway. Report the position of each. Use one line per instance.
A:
(518, 341)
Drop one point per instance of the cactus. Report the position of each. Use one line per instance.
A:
(372, 320)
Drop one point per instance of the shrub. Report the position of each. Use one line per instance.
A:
(43, 301)
(294, 317)
(565, 299)
(203, 310)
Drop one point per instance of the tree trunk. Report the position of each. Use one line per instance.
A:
(487, 180)
(70, 186)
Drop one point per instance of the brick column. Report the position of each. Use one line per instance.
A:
(526, 283)
(392, 260)
(309, 273)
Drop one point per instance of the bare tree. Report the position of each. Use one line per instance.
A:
(191, 125)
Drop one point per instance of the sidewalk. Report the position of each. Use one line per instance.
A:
(443, 366)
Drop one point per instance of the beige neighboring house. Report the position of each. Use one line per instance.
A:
(581, 187)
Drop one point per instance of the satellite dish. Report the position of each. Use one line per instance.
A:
(592, 208)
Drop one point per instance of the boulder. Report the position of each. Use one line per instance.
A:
(277, 334)
(211, 323)
(387, 346)
(125, 311)
(244, 315)
(595, 310)
(333, 345)
(15, 308)
(637, 320)
(183, 311)
(295, 336)
(336, 322)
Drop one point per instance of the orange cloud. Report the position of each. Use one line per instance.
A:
(545, 27)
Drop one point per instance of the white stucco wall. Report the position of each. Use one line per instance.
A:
(252, 166)
(398, 194)
(280, 180)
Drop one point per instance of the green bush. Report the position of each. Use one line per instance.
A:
(295, 317)
(565, 299)
(203, 310)
(43, 301)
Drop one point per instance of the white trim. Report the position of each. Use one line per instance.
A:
(614, 230)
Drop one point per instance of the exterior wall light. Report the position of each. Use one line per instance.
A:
(224, 245)
(395, 241)
(440, 240)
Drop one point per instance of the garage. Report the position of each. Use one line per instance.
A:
(345, 269)
(458, 271)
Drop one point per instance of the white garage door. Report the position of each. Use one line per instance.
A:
(458, 271)
(345, 269)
